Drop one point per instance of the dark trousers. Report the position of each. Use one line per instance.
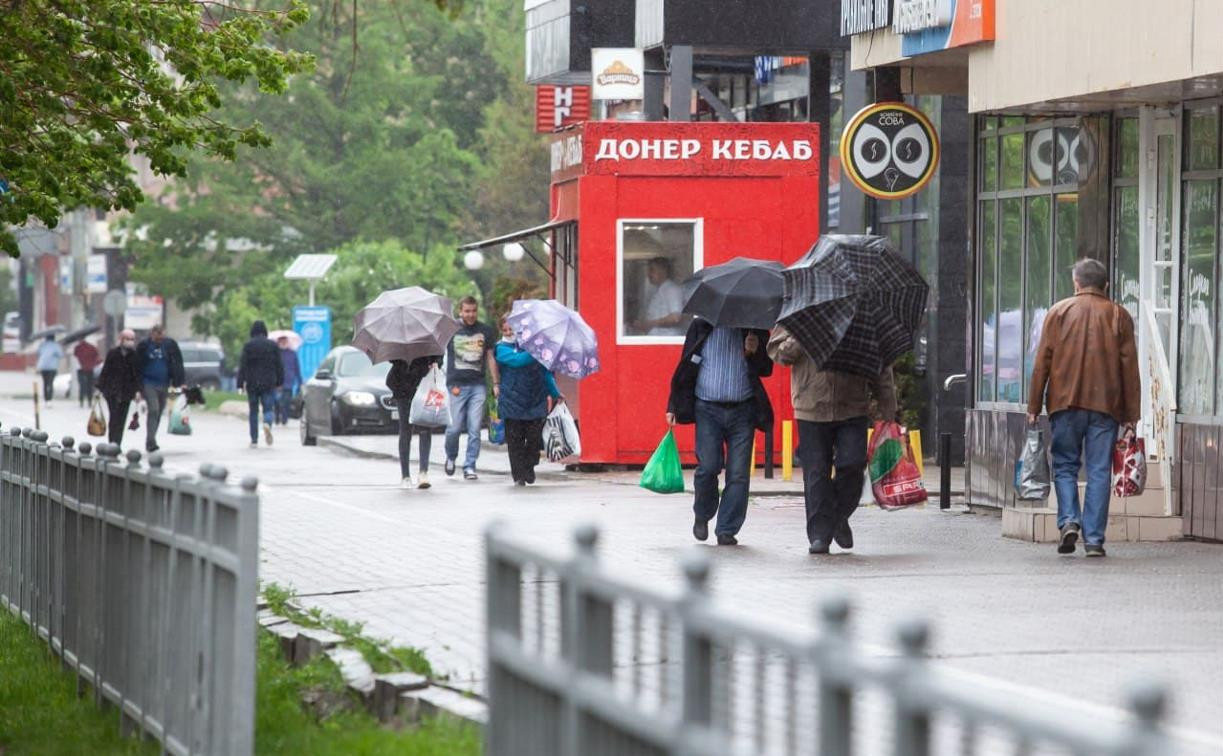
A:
(256, 400)
(524, 441)
(84, 380)
(117, 422)
(48, 384)
(283, 399)
(724, 435)
(406, 430)
(821, 446)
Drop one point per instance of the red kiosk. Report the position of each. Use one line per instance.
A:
(636, 208)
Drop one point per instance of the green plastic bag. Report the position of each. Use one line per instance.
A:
(663, 474)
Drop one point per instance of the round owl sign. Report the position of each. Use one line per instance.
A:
(889, 150)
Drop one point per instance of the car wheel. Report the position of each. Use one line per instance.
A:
(307, 439)
(337, 424)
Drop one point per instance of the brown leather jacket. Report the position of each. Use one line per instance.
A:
(825, 396)
(1088, 358)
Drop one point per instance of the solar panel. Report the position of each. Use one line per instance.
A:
(310, 266)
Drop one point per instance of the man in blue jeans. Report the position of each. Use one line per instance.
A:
(717, 386)
(260, 375)
(470, 353)
(1086, 373)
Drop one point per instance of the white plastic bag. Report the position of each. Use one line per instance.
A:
(180, 416)
(561, 440)
(431, 405)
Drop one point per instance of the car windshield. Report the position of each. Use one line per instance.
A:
(358, 364)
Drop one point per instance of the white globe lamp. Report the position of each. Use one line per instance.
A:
(473, 260)
(513, 251)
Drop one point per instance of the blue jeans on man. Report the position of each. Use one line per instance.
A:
(255, 400)
(724, 433)
(466, 414)
(1083, 437)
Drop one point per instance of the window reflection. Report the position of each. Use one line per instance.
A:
(656, 258)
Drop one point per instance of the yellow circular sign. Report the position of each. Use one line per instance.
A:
(889, 150)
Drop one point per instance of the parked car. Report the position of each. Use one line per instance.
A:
(202, 364)
(347, 394)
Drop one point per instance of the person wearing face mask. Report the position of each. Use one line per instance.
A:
(119, 383)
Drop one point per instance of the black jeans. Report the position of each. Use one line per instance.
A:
(84, 380)
(821, 446)
(48, 384)
(524, 440)
(117, 422)
(406, 430)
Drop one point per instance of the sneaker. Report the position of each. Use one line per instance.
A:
(267, 434)
(1069, 536)
(1094, 549)
(254, 444)
(470, 474)
(405, 484)
(423, 480)
(449, 467)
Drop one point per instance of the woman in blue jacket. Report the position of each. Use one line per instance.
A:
(526, 387)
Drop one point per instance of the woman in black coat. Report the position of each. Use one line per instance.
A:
(119, 383)
(403, 380)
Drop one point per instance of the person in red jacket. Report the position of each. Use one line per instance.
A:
(87, 358)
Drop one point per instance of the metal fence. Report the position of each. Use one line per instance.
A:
(583, 663)
(142, 582)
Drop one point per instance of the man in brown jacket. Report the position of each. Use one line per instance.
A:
(1088, 361)
(832, 410)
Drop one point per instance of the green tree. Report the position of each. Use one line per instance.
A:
(84, 84)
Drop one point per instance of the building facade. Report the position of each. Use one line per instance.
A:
(1095, 132)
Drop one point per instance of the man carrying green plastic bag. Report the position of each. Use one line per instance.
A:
(663, 474)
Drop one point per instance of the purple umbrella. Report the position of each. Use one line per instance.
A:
(556, 336)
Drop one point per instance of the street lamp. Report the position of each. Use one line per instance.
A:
(473, 260)
(513, 251)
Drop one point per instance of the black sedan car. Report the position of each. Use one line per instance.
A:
(347, 394)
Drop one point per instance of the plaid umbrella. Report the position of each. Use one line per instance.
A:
(556, 336)
(853, 303)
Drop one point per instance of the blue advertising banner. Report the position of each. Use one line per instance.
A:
(313, 324)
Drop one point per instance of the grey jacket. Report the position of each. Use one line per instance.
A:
(825, 396)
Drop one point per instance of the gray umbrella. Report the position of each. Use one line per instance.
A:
(404, 324)
(853, 304)
(741, 293)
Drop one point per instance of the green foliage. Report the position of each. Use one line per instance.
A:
(39, 709)
(86, 83)
(8, 294)
(910, 396)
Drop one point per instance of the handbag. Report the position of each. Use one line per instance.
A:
(97, 420)
(135, 423)
(180, 417)
(1032, 477)
(663, 473)
(560, 435)
(1129, 466)
(895, 479)
(431, 404)
(496, 428)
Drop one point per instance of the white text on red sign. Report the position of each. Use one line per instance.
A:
(686, 149)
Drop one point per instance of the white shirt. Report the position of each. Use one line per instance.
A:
(661, 301)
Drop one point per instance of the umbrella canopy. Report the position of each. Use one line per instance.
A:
(295, 338)
(79, 334)
(404, 324)
(742, 293)
(853, 303)
(54, 330)
(556, 336)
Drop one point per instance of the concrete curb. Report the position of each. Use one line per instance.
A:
(338, 442)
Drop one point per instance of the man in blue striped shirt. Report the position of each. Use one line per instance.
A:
(717, 386)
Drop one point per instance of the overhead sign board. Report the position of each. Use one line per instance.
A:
(142, 312)
(95, 275)
(859, 16)
(927, 26)
(663, 148)
(618, 73)
(889, 150)
(558, 106)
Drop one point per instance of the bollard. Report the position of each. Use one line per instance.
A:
(915, 445)
(751, 469)
(787, 450)
(768, 453)
(37, 418)
(944, 461)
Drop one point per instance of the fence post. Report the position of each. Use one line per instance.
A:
(586, 629)
(1148, 702)
(944, 461)
(696, 655)
(912, 715)
(835, 695)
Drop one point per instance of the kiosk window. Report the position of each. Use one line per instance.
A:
(655, 257)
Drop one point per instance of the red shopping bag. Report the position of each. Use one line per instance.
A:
(1129, 466)
(895, 479)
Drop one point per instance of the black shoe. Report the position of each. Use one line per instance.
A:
(150, 448)
(450, 467)
(531, 476)
(844, 537)
(1094, 549)
(818, 547)
(1069, 536)
(727, 540)
(700, 530)
(520, 482)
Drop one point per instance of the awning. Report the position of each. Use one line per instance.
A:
(541, 233)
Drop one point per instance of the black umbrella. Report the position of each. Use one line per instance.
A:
(741, 293)
(79, 334)
(54, 330)
(853, 304)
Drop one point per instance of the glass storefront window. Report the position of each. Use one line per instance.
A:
(1200, 240)
(654, 257)
(1126, 287)
(1039, 275)
(1010, 301)
(1066, 244)
(1127, 148)
(1012, 161)
(1042, 160)
(989, 164)
(1202, 143)
(989, 309)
